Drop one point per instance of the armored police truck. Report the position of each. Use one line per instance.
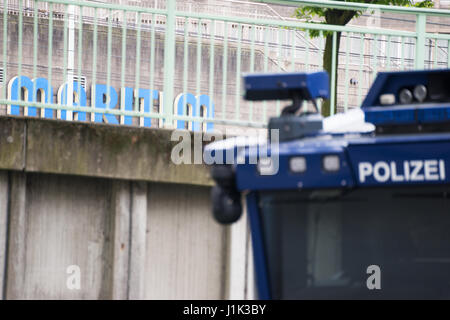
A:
(353, 206)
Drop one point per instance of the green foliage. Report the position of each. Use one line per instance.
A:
(424, 4)
(342, 17)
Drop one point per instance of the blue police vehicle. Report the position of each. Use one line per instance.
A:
(353, 206)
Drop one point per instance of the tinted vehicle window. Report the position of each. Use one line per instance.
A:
(319, 244)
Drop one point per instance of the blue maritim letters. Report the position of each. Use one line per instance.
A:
(106, 98)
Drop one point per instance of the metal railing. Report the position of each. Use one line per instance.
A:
(168, 67)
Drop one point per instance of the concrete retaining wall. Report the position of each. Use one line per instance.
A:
(107, 199)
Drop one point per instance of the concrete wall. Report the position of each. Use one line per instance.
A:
(137, 234)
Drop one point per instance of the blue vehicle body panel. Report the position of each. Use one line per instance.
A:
(410, 114)
(248, 177)
(394, 150)
(408, 163)
(379, 115)
(259, 256)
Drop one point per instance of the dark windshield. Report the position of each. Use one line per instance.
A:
(319, 244)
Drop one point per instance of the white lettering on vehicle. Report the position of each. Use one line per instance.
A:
(409, 170)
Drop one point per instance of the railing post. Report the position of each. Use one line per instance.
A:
(169, 64)
(335, 56)
(421, 24)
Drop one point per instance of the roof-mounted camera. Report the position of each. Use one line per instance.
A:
(297, 87)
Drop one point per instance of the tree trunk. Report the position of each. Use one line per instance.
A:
(340, 18)
(327, 64)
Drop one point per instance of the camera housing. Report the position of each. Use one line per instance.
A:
(282, 86)
(298, 87)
